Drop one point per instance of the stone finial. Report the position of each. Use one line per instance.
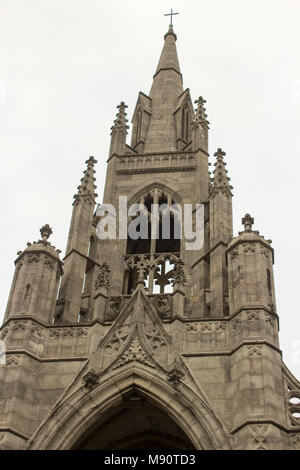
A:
(201, 116)
(248, 221)
(220, 180)
(91, 161)
(120, 121)
(219, 154)
(46, 231)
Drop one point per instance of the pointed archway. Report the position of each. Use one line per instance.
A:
(83, 412)
(135, 424)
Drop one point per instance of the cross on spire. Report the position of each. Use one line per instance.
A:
(171, 15)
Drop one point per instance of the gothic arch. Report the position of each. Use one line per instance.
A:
(174, 191)
(74, 415)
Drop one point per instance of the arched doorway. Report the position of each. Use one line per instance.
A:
(134, 424)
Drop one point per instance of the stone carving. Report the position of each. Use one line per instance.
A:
(191, 327)
(155, 339)
(12, 360)
(19, 325)
(205, 327)
(175, 374)
(91, 380)
(269, 319)
(254, 351)
(33, 259)
(234, 254)
(178, 273)
(236, 324)
(118, 340)
(174, 377)
(115, 306)
(253, 317)
(82, 332)
(162, 303)
(220, 326)
(68, 332)
(103, 279)
(249, 248)
(54, 333)
(135, 352)
(260, 439)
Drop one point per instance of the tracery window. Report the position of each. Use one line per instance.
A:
(163, 237)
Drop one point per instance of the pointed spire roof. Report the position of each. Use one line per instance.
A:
(165, 91)
(87, 186)
(169, 58)
(220, 180)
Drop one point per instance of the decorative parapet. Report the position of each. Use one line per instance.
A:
(155, 163)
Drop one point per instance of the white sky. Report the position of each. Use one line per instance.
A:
(66, 64)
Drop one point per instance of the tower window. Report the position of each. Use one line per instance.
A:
(161, 217)
(185, 124)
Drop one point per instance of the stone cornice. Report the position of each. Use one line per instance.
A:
(171, 320)
(265, 421)
(137, 171)
(239, 240)
(14, 431)
(231, 351)
(45, 359)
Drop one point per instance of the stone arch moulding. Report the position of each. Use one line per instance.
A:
(80, 409)
(174, 192)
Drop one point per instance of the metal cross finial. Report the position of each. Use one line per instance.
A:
(171, 14)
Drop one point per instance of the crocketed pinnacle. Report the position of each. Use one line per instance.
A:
(220, 180)
(201, 116)
(120, 121)
(87, 186)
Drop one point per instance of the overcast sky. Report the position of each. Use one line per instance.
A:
(66, 64)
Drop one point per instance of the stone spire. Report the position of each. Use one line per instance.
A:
(80, 233)
(164, 93)
(220, 180)
(119, 131)
(87, 187)
(169, 58)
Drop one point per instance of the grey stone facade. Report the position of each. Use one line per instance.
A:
(148, 345)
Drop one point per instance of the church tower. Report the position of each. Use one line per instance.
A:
(158, 330)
